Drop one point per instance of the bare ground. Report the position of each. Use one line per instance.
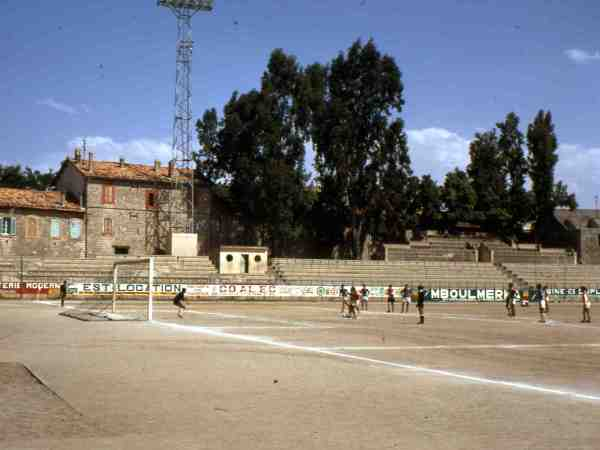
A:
(298, 376)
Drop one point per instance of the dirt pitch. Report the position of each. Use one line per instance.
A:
(298, 376)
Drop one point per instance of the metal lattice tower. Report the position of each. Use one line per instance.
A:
(184, 10)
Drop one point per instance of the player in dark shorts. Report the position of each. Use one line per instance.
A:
(343, 294)
(353, 303)
(390, 298)
(63, 293)
(178, 301)
(540, 297)
(422, 293)
(511, 299)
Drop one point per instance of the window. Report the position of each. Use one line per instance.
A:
(31, 228)
(8, 226)
(107, 227)
(151, 199)
(121, 250)
(55, 228)
(108, 194)
(75, 229)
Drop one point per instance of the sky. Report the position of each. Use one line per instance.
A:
(106, 71)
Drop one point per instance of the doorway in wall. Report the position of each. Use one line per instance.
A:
(245, 263)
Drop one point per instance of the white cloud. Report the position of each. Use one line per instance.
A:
(437, 151)
(58, 106)
(134, 151)
(577, 167)
(582, 56)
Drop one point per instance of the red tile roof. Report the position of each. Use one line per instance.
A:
(28, 198)
(134, 172)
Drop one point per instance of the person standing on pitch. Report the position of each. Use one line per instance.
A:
(511, 299)
(353, 305)
(63, 293)
(587, 305)
(422, 293)
(406, 298)
(179, 302)
(540, 296)
(547, 299)
(343, 294)
(390, 299)
(364, 294)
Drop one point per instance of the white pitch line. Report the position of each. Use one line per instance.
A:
(460, 347)
(285, 345)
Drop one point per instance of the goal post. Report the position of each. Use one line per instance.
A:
(150, 277)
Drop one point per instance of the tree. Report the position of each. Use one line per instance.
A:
(429, 204)
(257, 151)
(510, 144)
(562, 198)
(458, 198)
(15, 177)
(488, 181)
(542, 145)
(360, 146)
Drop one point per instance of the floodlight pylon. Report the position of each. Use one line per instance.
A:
(182, 153)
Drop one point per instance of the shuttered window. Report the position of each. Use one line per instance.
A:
(108, 194)
(55, 228)
(31, 228)
(75, 229)
(107, 228)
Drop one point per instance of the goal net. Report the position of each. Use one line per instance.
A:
(132, 282)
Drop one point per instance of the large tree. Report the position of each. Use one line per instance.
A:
(542, 144)
(510, 144)
(257, 152)
(429, 204)
(359, 142)
(458, 198)
(488, 180)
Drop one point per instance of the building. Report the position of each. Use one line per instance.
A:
(583, 228)
(130, 209)
(40, 223)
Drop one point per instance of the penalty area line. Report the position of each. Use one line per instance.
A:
(337, 354)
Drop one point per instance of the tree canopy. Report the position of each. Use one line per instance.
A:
(363, 187)
(16, 177)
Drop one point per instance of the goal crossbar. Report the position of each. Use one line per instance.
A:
(128, 262)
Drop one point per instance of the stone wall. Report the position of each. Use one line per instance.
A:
(136, 226)
(72, 183)
(33, 234)
(588, 245)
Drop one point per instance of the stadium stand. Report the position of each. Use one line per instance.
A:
(555, 275)
(98, 269)
(428, 273)
(442, 250)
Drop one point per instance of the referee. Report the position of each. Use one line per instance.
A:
(421, 304)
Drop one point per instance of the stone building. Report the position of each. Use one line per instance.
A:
(40, 223)
(130, 209)
(583, 227)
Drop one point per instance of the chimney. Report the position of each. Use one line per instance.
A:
(77, 154)
(121, 162)
(62, 197)
(157, 166)
(171, 169)
(90, 160)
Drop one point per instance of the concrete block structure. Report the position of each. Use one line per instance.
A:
(243, 260)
